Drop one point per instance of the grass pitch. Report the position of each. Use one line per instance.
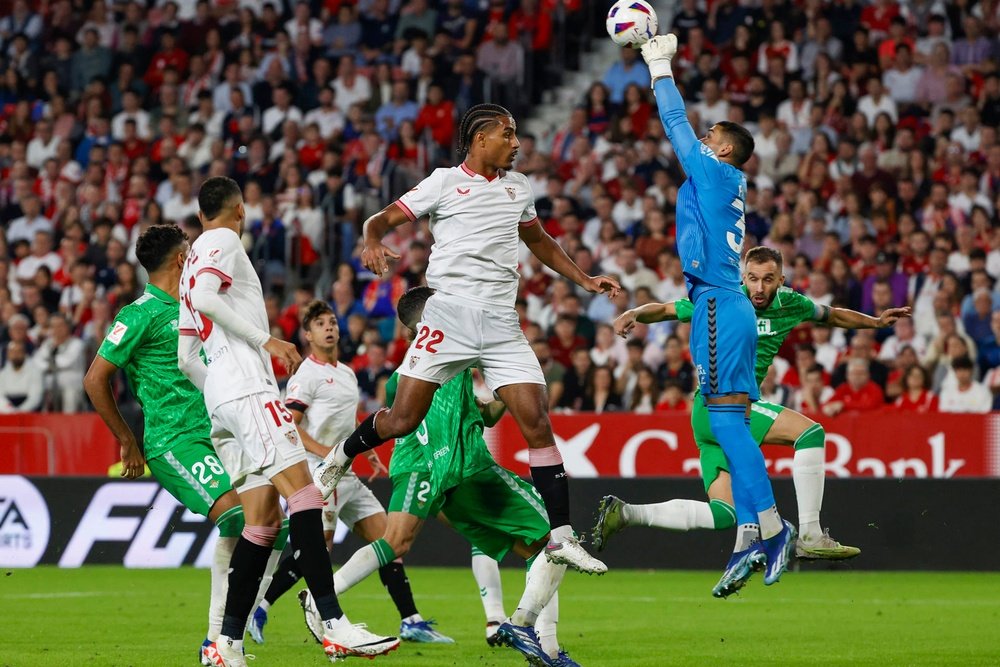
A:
(98, 616)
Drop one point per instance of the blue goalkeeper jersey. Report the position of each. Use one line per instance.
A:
(710, 203)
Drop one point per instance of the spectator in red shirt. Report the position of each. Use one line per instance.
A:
(438, 116)
(564, 340)
(858, 394)
(169, 55)
(917, 395)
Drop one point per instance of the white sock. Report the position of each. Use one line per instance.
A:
(746, 533)
(770, 522)
(543, 580)
(220, 584)
(809, 475)
(672, 515)
(264, 604)
(334, 624)
(487, 574)
(339, 457)
(416, 618)
(265, 582)
(237, 644)
(545, 626)
(361, 564)
(560, 533)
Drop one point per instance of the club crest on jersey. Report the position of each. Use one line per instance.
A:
(511, 193)
(292, 437)
(413, 361)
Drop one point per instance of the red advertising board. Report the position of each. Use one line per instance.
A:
(48, 444)
(860, 445)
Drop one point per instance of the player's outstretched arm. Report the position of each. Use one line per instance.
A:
(206, 300)
(310, 443)
(97, 384)
(552, 255)
(190, 362)
(374, 256)
(646, 314)
(846, 318)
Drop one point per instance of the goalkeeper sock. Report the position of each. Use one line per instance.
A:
(549, 476)
(365, 560)
(286, 575)
(545, 627)
(487, 574)
(393, 577)
(746, 534)
(543, 581)
(809, 475)
(751, 485)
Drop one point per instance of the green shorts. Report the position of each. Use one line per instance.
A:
(713, 460)
(491, 508)
(192, 473)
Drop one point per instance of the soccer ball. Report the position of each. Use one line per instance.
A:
(631, 23)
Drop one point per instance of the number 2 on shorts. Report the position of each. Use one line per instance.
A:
(429, 339)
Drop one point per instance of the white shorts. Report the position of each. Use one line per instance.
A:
(256, 438)
(454, 335)
(351, 502)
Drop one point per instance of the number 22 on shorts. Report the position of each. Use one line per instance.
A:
(428, 339)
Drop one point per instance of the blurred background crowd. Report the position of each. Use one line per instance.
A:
(876, 174)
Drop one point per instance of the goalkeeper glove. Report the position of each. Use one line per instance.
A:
(657, 53)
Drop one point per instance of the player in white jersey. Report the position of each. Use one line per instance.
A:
(479, 211)
(322, 396)
(256, 438)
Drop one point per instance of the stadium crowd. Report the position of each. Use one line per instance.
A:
(876, 174)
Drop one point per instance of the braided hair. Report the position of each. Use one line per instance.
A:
(475, 120)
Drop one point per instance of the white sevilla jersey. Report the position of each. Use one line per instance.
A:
(328, 395)
(475, 223)
(235, 368)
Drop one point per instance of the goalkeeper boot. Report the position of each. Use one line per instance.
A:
(343, 640)
(256, 626)
(609, 521)
(779, 550)
(563, 660)
(314, 622)
(524, 640)
(568, 552)
(422, 632)
(824, 548)
(327, 474)
(742, 564)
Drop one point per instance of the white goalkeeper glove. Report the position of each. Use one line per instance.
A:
(657, 53)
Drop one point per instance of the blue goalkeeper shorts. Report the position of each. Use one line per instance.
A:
(724, 342)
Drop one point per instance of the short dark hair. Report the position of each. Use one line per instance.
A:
(313, 310)
(215, 193)
(411, 305)
(962, 362)
(156, 243)
(743, 143)
(762, 254)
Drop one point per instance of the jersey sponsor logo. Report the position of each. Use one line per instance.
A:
(511, 193)
(463, 192)
(117, 333)
(764, 327)
(24, 523)
(214, 254)
(329, 380)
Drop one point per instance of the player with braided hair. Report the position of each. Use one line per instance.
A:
(479, 211)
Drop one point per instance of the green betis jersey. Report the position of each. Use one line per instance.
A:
(143, 343)
(788, 310)
(449, 441)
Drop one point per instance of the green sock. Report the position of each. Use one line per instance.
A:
(723, 514)
(383, 552)
(231, 522)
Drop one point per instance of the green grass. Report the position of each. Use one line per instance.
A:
(98, 616)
